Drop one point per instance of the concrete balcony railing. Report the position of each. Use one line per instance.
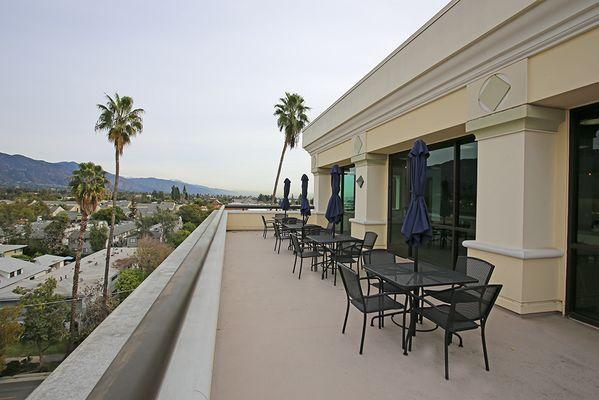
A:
(159, 343)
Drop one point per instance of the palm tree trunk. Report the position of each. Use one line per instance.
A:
(74, 299)
(111, 232)
(274, 191)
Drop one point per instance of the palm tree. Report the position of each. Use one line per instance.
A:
(120, 121)
(291, 120)
(88, 186)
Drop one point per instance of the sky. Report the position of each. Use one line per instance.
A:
(207, 73)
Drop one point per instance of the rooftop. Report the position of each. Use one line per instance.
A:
(47, 260)
(260, 333)
(275, 328)
(4, 248)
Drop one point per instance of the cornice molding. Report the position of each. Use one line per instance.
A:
(522, 37)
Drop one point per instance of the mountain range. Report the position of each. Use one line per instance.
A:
(20, 171)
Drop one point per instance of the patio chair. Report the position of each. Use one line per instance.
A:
(474, 268)
(468, 309)
(280, 235)
(303, 252)
(330, 227)
(265, 222)
(378, 303)
(346, 254)
(379, 256)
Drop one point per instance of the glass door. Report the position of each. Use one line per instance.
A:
(583, 249)
(348, 195)
(450, 197)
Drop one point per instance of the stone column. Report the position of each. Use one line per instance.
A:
(371, 197)
(515, 216)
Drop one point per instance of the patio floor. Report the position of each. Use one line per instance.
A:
(280, 338)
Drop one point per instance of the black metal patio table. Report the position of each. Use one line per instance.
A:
(330, 242)
(403, 276)
(294, 226)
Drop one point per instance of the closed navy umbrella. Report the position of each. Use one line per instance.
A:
(305, 210)
(417, 226)
(285, 202)
(334, 212)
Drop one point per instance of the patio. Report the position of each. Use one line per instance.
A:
(280, 337)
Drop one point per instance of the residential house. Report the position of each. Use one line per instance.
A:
(14, 270)
(10, 250)
(51, 262)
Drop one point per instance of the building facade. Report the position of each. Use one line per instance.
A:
(506, 95)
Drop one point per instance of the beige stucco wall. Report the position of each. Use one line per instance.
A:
(565, 67)
(443, 113)
(250, 220)
(339, 154)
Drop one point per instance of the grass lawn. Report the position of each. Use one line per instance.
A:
(28, 349)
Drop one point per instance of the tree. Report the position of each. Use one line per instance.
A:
(185, 195)
(98, 235)
(54, 233)
(175, 193)
(95, 311)
(128, 280)
(168, 220)
(291, 120)
(88, 186)
(193, 213)
(121, 122)
(133, 209)
(45, 316)
(178, 237)
(10, 330)
(150, 253)
(105, 214)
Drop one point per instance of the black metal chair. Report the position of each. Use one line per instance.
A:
(303, 252)
(474, 268)
(378, 303)
(468, 309)
(265, 222)
(346, 254)
(379, 256)
(280, 235)
(330, 227)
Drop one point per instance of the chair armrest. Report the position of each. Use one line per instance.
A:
(429, 303)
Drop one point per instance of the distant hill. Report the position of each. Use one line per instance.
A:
(20, 171)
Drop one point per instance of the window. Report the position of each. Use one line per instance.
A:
(450, 197)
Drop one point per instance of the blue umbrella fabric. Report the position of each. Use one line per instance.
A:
(305, 210)
(285, 202)
(334, 212)
(417, 226)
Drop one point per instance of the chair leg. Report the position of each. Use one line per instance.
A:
(294, 263)
(279, 250)
(403, 324)
(345, 319)
(301, 266)
(363, 334)
(447, 338)
(482, 333)
(276, 240)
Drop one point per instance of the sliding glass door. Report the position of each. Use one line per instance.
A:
(450, 198)
(583, 249)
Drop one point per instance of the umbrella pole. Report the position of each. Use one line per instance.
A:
(416, 259)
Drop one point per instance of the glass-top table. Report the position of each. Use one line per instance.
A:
(403, 275)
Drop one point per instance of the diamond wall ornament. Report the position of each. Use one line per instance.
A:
(357, 145)
(493, 92)
(360, 181)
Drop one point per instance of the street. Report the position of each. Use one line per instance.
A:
(18, 390)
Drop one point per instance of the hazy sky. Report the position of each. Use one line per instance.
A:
(207, 73)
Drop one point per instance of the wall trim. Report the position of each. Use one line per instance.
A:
(522, 254)
(367, 221)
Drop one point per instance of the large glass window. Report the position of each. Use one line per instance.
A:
(450, 198)
(584, 218)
